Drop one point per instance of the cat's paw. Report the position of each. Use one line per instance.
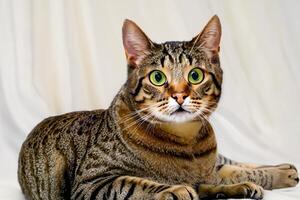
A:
(179, 192)
(248, 190)
(285, 175)
(239, 191)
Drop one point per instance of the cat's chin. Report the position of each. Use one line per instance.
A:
(176, 117)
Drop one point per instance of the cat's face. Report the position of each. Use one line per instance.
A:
(173, 81)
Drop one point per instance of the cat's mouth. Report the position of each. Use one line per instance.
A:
(178, 114)
(180, 110)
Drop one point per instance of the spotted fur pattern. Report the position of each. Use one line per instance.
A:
(153, 142)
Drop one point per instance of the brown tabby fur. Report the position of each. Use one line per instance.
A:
(138, 148)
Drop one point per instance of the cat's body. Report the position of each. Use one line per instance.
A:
(75, 143)
(123, 153)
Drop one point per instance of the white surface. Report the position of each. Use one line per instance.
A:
(60, 56)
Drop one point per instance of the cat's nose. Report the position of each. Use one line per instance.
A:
(179, 97)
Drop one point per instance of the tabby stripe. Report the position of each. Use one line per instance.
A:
(174, 196)
(34, 175)
(219, 167)
(93, 180)
(145, 186)
(161, 188)
(72, 158)
(183, 155)
(101, 186)
(99, 130)
(205, 153)
(68, 184)
(271, 181)
(266, 182)
(122, 185)
(109, 190)
(215, 81)
(72, 145)
(162, 61)
(97, 178)
(83, 157)
(139, 86)
(51, 124)
(22, 178)
(260, 175)
(57, 180)
(47, 172)
(104, 197)
(202, 136)
(191, 196)
(77, 195)
(41, 171)
(220, 160)
(151, 187)
(115, 196)
(165, 51)
(108, 126)
(130, 192)
(29, 174)
(190, 59)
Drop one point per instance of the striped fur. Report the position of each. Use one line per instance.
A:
(153, 142)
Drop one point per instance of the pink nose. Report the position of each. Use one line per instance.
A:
(179, 97)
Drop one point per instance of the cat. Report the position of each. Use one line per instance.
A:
(154, 141)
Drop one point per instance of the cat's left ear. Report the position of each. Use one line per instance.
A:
(209, 38)
(136, 44)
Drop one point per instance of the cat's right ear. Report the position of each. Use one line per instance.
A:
(209, 38)
(136, 44)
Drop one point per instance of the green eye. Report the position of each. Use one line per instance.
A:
(195, 76)
(157, 78)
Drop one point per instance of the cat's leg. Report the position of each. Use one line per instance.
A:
(128, 187)
(222, 160)
(134, 188)
(269, 177)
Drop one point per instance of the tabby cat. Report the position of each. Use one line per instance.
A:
(154, 141)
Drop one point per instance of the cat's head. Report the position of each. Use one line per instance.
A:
(173, 81)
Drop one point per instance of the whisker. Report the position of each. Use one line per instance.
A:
(132, 115)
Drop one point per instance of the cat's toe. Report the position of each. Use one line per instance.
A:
(178, 193)
(253, 191)
(292, 179)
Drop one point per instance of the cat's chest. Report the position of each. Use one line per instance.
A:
(173, 169)
(172, 160)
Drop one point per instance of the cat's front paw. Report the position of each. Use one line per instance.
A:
(251, 190)
(179, 192)
(242, 190)
(285, 175)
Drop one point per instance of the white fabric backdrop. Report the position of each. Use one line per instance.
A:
(60, 56)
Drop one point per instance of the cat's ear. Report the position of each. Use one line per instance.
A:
(136, 44)
(209, 38)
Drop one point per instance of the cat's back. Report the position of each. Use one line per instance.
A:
(57, 143)
(56, 129)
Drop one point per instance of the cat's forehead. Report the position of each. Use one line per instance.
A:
(173, 48)
(175, 55)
